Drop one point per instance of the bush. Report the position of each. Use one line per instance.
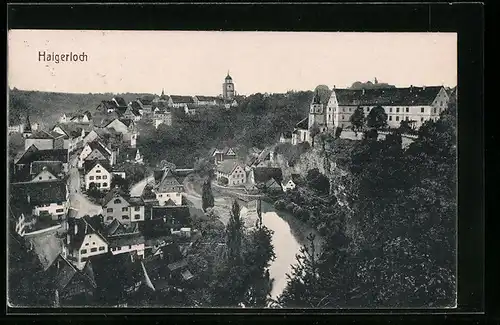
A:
(280, 204)
(290, 206)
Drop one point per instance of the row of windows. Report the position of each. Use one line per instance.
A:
(40, 177)
(119, 248)
(168, 195)
(124, 209)
(103, 184)
(124, 217)
(92, 250)
(49, 204)
(406, 118)
(407, 109)
(98, 177)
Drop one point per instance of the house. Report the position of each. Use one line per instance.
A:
(39, 171)
(223, 154)
(301, 132)
(107, 106)
(168, 187)
(162, 115)
(118, 205)
(44, 197)
(99, 173)
(204, 100)
(286, 137)
(288, 184)
(120, 102)
(231, 172)
(95, 150)
(33, 154)
(41, 139)
(167, 221)
(84, 117)
(272, 185)
(262, 175)
(73, 135)
(68, 284)
(167, 270)
(133, 242)
(146, 104)
(126, 127)
(117, 276)
(180, 101)
(83, 241)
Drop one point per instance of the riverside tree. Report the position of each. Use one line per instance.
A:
(207, 195)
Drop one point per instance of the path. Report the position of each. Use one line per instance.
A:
(221, 204)
(78, 201)
(137, 189)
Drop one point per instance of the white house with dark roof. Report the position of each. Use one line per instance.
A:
(204, 100)
(44, 197)
(124, 239)
(301, 132)
(232, 172)
(180, 101)
(41, 139)
(100, 174)
(118, 205)
(288, 184)
(220, 155)
(168, 187)
(126, 127)
(83, 242)
(95, 150)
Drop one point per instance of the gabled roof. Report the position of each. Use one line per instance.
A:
(89, 164)
(97, 145)
(126, 239)
(272, 183)
(169, 181)
(70, 130)
(120, 101)
(146, 100)
(41, 192)
(206, 98)
(303, 124)
(411, 96)
(107, 104)
(286, 134)
(135, 105)
(62, 274)
(264, 174)
(43, 155)
(40, 135)
(83, 227)
(182, 99)
(125, 121)
(114, 193)
(54, 167)
(228, 166)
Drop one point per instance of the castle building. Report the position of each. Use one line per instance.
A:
(228, 88)
(416, 105)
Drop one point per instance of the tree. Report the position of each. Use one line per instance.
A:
(207, 195)
(377, 118)
(338, 132)
(120, 182)
(234, 232)
(318, 181)
(313, 132)
(357, 120)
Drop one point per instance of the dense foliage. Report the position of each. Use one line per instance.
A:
(393, 244)
(207, 196)
(257, 121)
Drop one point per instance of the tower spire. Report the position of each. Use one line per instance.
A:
(27, 127)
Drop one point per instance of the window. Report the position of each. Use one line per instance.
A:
(137, 208)
(434, 111)
(119, 248)
(124, 217)
(83, 251)
(91, 178)
(390, 118)
(407, 109)
(124, 209)
(92, 250)
(98, 177)
(109, 210)
(98, 184)
(137, 216)
(109, 218)
(104, 184)
(350, 109)
(129, 246)
(98, 171)
(86, 244)
(343, 109)
(104, 176)
(59, 210)
(101, 248)
(422, 110)
(421, 119)
(397, 118)
(397, 109)
(50, 177)
(117, 201)
(390, 109)
(40, 177)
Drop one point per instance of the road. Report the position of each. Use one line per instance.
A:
(137, 189)
(222, 205)
(77, 200)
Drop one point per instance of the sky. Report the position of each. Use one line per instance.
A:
(196, 62)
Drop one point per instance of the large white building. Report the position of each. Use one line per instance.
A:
(413, 104)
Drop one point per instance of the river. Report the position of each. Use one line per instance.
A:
(288, 237)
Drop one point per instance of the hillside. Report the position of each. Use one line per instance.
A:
(47, 107)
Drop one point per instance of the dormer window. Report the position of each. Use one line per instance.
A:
(117, 201)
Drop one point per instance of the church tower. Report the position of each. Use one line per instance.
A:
(317, 113)
(228, 88)
(27, 127)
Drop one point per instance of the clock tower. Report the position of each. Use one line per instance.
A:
(228, 87)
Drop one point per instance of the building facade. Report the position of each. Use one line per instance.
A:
(99, 175)
(231, 172)
(122, 208)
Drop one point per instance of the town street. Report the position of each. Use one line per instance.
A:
(137, 189)
(78, 201)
